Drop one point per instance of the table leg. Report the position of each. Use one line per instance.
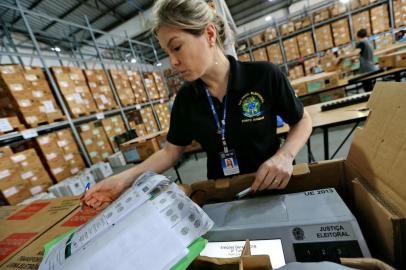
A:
(326, 147)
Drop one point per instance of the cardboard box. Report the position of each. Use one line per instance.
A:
(274, 53)
(324, 38)
(399, 8)
(361, 21)
(316, 82)
(310, 64)
(305, 43)
(338, 9)
(7, 210)
(296, 72)
(5, 151)
(245, 57)
(270, 34)
(260, 54)
(341, 32)
(370, 180)
(379, 19)
(145, 147)
(321, 15)
(287, 28)
(31, 256)
(397, 59)
(257, 39)
(291, 49)
(22, 227)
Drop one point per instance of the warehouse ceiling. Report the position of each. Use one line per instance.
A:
(106, 15)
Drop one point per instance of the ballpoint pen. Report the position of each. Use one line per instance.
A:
(82, 205)
(243, 193)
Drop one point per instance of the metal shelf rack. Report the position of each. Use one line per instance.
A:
(76, 52)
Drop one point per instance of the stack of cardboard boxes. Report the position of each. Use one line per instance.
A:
(291, 49)
(245, 57)
(310, 64)
(25, 93)
(287, 28)
(70, 150)
(270, 34)
(53, 156)
(122, 85)
(321, 15)
(95, 141)
(341, 32)
(338, 9)
(21, 176)
(260, 54)
(274, 53)
(399, 9)
(75, 90)
(137, 86)
(328, 62)
(361, 21)
(150, 86)
(383, 41)
(100, 89)
(324, 39)
(149, 120)
(163, 113)
(379, 19)
(302, 23)
(174, 83)
(359, 3)
(113, 126)
(296, 72)
(257, 39)
(305, 42)
(160, 86)
(10, 124)
(136, 122)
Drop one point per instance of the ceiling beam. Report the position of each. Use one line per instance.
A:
(31, 7)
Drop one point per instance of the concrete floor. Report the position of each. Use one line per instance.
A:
(192, 170)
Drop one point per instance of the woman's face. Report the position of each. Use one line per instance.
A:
(188, 54)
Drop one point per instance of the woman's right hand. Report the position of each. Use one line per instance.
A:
(104, 193)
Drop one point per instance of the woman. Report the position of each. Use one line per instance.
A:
(227, 106)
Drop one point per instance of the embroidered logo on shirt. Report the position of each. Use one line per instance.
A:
(251, 105)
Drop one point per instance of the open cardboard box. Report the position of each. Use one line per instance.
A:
(371, 180)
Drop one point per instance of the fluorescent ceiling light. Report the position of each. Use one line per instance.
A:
(268, 18)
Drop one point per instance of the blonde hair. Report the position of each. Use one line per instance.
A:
(191, 16)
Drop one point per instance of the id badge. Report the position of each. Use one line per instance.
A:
(229, 163)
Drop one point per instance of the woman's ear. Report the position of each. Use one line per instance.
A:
(211, 34)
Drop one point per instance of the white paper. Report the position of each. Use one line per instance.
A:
(27, 175)
(4, 174)
(104, 99)
(10, 191)
(35, 190)
(62, 143)
(231, 249)
(18, 158)
(5, 125)
(29, 133)
(100, 116)
(49, 106)
(138, 107)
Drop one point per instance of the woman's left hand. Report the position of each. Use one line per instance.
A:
(273, 173)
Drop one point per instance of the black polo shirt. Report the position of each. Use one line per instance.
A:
(256, 93)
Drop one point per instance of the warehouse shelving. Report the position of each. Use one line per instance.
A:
(309, 12)
(78, 53)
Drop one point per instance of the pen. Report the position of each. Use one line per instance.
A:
(82, 206)
(243, 193)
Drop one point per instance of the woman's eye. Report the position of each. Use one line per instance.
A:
(176, 49)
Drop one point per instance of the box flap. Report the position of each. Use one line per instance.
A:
(378, 150)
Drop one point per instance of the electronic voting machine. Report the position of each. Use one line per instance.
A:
(307, 227)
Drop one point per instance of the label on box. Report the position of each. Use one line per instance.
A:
(5, 125)
(88, 141)
(100, 143)
(138, 107)
(93, 154)
(114, 119)
(161, 101)
(74, 77)
(24, 102)
(85, 127)
(78, 98)
(49, 106)
(74, 170)
(62, 143)
(36, 190)
(32, 119)
(29, 133)
(18, 158)
(16, 87)
(57, 170)
(108, 128)
(24, 164)
(27, 175)
(4, 174)
(105, 154)
(79, 89)
(43, 140)
(7, 70)
(96, 132)
(51, 156)
(92, 85)
(68, 157)
(64, 83)
(31, 77)
(100, 77)
(13, 242)
(37, 93)
(104, 99)
(10, 191)
(57, 70)
(100, 116)
(118, 130)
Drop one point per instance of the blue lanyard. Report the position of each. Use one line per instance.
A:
(221, 126)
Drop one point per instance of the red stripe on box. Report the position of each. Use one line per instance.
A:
(28, 211)
(80, 218)
(13, 242)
